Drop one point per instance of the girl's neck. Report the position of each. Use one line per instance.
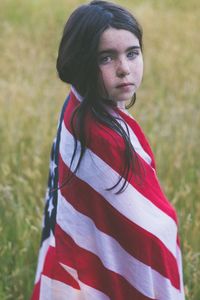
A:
(121, 105)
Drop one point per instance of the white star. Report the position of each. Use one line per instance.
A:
(53, 166)
(50, 208)
(52, 182)
(47, 194)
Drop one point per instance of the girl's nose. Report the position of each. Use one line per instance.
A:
(122, 68)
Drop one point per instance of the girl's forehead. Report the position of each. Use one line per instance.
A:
(113, 38)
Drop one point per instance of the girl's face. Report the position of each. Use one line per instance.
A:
(121, 64)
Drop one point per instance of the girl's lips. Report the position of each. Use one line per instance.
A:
(127, 88)
(124, 85)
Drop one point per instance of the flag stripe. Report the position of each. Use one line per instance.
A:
(52, 289)
(54, 270)
(92, 272)
(135, 141)
(99, 175)
(139, 133)
(88, 292)
(133, 138)
(119, 227)
(179, 261)
(112, 154)
(97, 244)
(137, 137)
(85, 234)
(42, 257)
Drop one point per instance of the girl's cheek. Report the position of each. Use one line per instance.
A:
(138, 76)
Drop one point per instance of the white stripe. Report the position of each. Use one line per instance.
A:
(132, 204)
(76, 94)
(51, 289)
(133, 138)
(42, 255)
(85, 234)
(87, 291)
(179, 260)
(135, 143)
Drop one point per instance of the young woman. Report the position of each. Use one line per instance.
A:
(109, 231)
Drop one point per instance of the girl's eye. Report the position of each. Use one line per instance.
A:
(105, 59)
(132, 54)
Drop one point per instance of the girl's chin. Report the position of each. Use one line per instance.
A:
(124, 97)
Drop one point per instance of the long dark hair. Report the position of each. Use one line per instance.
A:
(77, 64)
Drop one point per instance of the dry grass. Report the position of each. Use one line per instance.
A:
(31, 97)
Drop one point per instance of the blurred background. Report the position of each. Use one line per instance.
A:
(31, 96)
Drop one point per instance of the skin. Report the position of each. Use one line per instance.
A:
(121, 65)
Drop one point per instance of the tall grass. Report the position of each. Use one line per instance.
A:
(31, 96)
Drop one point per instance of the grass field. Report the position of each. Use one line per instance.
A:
(167, 107)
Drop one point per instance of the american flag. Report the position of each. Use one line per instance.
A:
(52, 192)
(51, 198)
(99, 245)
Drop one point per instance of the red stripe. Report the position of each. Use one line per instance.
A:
(54, 270)
(92, 272)
(109, 146)
(178, 241)
(131, 237)
(36, 291)
(139, 133)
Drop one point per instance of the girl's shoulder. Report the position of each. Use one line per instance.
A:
(100, 134)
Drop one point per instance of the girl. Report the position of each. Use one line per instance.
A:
(109, 231)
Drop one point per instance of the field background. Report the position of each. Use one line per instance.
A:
(167, 107)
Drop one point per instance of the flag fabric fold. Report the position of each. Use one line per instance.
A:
(97, 244)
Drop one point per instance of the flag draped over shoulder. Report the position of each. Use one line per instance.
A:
(97, 244)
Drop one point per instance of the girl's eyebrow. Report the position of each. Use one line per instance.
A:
(113, 51)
